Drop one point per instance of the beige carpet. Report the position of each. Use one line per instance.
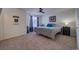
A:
(33, 41)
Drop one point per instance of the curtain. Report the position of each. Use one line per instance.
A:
(31, 24)
(37, 21)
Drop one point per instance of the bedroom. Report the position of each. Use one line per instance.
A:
(64, 17)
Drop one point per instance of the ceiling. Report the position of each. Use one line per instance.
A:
(35, 11)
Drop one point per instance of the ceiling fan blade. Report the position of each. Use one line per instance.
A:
(41, 10)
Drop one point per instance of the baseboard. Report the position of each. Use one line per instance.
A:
(13, 36)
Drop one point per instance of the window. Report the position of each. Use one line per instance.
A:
(34, 18)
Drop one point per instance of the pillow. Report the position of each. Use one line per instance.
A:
(51, 25)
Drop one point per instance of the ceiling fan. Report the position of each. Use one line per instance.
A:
(41, 10)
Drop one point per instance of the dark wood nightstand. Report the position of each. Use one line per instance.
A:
(66, 31)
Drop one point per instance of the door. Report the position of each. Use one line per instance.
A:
(78, 38)
(77, 25)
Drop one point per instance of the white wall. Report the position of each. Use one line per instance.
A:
(11, 30)
(45, 19)
(40, 20)
(61, 17)
(1, 25)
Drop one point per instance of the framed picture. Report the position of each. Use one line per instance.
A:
(16, 20)
(52, 19)
(15, 16)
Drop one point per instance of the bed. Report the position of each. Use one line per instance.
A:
(48, 31)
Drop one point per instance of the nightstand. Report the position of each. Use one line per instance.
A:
(66, 31)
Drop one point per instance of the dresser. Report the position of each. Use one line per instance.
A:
(66, 31)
